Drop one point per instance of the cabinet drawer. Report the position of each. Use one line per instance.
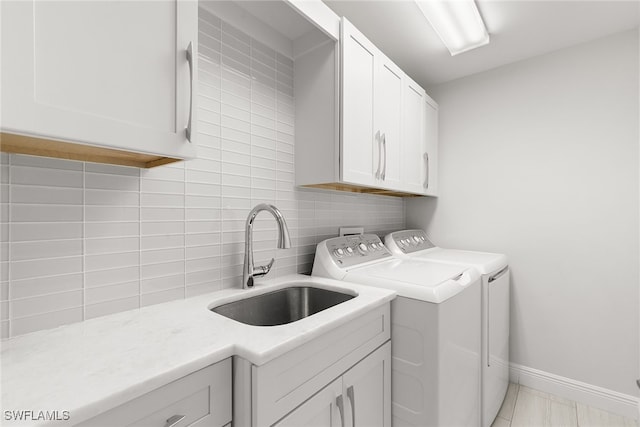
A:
(286, 382)
(203, 398)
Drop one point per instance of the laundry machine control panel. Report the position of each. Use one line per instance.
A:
(409, 241)
(347, 251)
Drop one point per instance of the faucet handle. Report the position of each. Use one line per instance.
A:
(263, 270)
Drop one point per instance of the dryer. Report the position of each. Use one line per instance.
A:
(494, 270)
(435, 328)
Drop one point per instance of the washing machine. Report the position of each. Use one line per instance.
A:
(494, 271)
(435, 328)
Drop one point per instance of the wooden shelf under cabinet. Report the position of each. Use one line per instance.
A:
(21, 144)
(340, 186)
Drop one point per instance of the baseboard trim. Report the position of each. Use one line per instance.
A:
(588, 394)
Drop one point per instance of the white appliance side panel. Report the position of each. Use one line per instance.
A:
(414, 362)
(459, 342)
(495, 343)
(436, 361)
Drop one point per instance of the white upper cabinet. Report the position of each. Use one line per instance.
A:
(388, 113)
(414, 142)
(362, 143)
(111, 74)
(371, 116)
(430, 155)
(387, 139)
(420, 140)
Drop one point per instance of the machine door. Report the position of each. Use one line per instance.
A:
(495, 329)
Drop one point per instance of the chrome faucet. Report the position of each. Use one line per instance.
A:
(284, 242)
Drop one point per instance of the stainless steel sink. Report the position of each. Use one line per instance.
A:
(282, 306)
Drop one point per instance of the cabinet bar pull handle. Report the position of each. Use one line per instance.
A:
(426, 171)
(352, 399)
(384, 145)
(190, 61)
(379, 154)
(174, 420)
(340, 405)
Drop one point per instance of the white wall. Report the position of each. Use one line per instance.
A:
(80, 240)
(539, 160)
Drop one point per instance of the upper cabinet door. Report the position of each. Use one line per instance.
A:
(430, 157)
(108, 73)
(388, 118)
(361, 146)
(414, 139)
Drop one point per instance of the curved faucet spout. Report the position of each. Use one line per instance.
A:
(249, 271)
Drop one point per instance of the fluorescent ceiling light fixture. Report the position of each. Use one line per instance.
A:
(457, 22)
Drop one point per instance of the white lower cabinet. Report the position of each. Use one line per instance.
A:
(367, 389)
(201, 399)
(342, 378)
(324, 409)
(360, 398)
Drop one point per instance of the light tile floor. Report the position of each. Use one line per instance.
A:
(526, 407)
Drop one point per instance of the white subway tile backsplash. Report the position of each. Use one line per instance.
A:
(112, 292)
(111, 197)
(112, 306)
(113, 260)
(111, 229)
(43, 176)
(161, 255)
(80, 240)
(212, 276)
(45, 213)
(111, 245)
(160, 297)
(111, 181)
(163, 270)
(23, 325)
(111, 213)
(162, 242)
(46, 303)
(21, 232)
(32, 194)
(110, 277)
(44, 162)
(45, 285)
(44, 249)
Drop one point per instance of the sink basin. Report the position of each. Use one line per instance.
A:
(282, 306)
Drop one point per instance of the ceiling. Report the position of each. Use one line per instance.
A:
(519, 29)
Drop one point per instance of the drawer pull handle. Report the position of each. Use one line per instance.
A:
(352, 400)
(174, 420)
(340, 405)
(384, 146)
(377, 175)
(190, 61)
(426, 171)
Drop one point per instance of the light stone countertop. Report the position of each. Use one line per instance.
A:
(90, 367)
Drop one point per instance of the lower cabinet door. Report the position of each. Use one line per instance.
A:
(324, 409)
(367, 390)
(201, 399)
